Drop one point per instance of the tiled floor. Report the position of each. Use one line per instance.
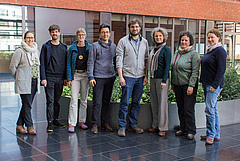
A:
(82, 145)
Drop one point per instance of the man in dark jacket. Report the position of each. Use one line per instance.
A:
(101, 73)
(53, 75)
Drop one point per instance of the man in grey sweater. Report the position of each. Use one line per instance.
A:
(131, 62)
(101, 73)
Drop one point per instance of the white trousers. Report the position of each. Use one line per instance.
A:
(80, 83)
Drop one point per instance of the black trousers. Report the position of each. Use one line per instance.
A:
(101, 96)
(186, 108)
(25, 116)
(53, 92)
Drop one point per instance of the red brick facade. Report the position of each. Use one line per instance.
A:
(221, 10)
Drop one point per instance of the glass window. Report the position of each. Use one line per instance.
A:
(237, 53)
(229, 26)
(193, 26)
(151, 22)
(118, 26)
(179, 25)
(92, 26)
(68, 39)
(228, 46)
(3, 12)
(219, 26)
(10, 33)
(10, 28)
(30, 19)
(237, 27)
(202, 39)
(166, 22)
(131, 17)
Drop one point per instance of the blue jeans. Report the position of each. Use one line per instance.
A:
(134, 87)
(212, 122)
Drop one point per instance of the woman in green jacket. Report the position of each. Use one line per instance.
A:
(184, 81)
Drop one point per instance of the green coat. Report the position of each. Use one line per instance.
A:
(185, 68)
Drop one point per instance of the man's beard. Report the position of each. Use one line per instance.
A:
(54, 38)
(133, 34)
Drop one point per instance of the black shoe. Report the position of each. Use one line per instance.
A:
(56, 123)
(50, 127)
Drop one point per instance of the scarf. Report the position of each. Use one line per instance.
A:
(210, 48)
(153, 59)
(32, 53)
(184, 50)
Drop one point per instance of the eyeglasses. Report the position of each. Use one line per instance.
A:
(105, 32)
(30, 38)
(81, 35)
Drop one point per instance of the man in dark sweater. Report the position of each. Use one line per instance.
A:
(53, 75)
(101, 73)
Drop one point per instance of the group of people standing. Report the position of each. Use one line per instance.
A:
(98, 65)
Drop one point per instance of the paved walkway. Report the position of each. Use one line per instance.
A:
(82, 145)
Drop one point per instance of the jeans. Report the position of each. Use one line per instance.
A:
(102, 92)
(80, 82)
(25, 116)
(212, 122)
(134, 87)
(186, 108)
(53, 92)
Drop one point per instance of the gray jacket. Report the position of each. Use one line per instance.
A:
(133, 65)
(22, 72)
(101, 60)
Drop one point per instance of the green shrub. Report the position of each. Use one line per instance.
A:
(230, 91)
(231, 88)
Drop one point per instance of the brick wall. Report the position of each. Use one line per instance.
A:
(221, 10)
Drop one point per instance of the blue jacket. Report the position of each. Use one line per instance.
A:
(71, 58)
(213, 66)
(45, 56)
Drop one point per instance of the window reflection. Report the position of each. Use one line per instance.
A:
(118, 26)
(92, 26)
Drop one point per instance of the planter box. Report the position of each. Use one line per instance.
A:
(228, 113)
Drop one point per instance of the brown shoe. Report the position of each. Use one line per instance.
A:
(21, 130)
(135, 129)
(209, 141)
(162, 133)
(31, 130)
(94, 129)
(204, 137)
(106, 127)
(121, 132)
(152, 130)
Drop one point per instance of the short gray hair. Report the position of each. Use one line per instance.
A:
(162, 30)
(81, 30)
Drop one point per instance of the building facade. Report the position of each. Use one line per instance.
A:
(17, 17)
